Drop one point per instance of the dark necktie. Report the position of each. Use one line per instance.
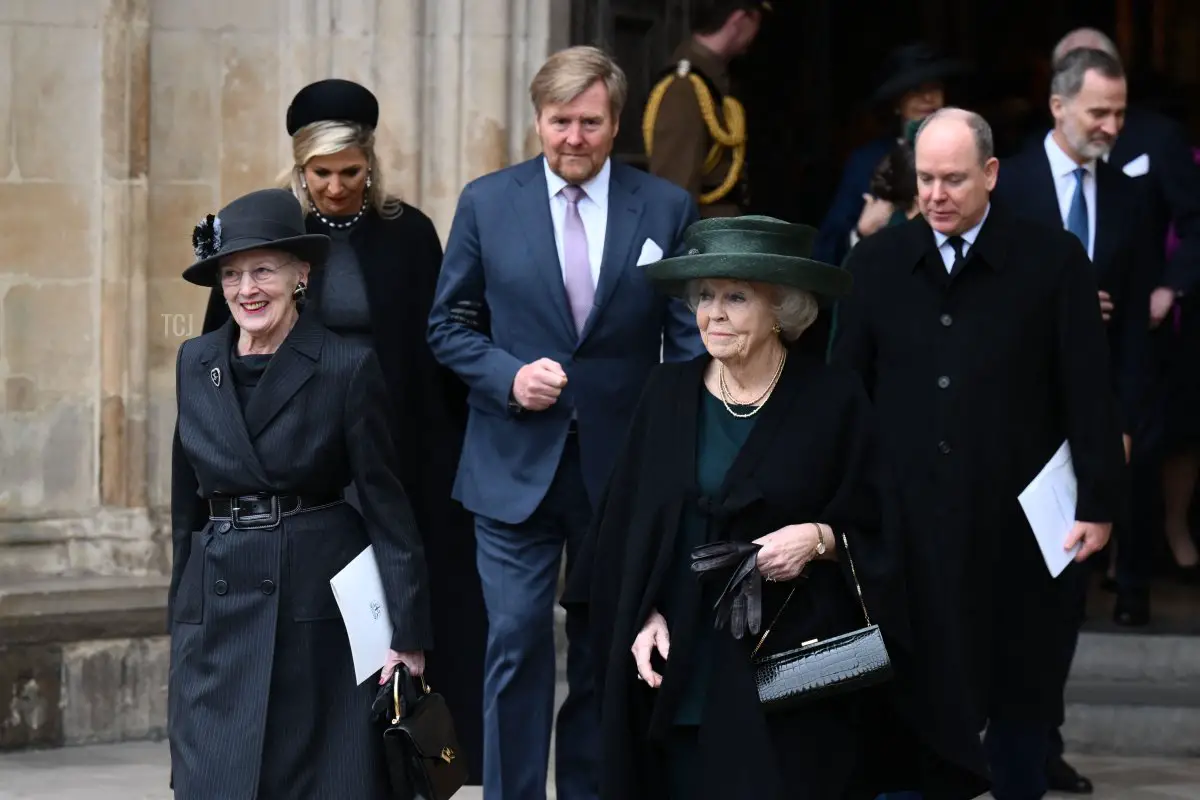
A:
(956, 244)
(1077, 213)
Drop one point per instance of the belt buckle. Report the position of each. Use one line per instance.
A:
(256, 521)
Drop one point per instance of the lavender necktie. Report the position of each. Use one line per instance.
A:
(581, 292)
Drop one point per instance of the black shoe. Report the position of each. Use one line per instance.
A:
(1132, 609)
(1062, 777)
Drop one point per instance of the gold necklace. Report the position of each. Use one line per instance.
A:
(727, 396)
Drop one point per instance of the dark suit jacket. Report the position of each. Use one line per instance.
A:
(1172, 187)
(1123, 256)
(501, 253)
(1018, 339)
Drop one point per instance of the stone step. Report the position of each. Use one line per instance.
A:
(1134, 694)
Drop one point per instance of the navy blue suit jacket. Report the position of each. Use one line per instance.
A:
(502, 253)
(1123, 256)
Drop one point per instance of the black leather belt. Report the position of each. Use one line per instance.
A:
(255, 511)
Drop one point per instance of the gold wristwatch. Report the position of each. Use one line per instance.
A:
(820, 539)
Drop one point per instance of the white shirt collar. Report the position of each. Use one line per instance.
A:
(1061, 164)
(596, 188)
(967, 236)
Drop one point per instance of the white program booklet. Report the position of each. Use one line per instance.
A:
(359, 594)
(1049, 505)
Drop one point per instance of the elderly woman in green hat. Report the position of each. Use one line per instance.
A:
(744, 520)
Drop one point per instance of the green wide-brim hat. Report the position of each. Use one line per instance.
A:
(751, 248)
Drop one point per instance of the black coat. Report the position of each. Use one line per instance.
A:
(1123, 257)
(1018, 338)
(263, 701)
(811, 456)
(1172, 187)
(400, 259)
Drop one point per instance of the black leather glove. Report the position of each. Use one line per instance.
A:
(740, 604)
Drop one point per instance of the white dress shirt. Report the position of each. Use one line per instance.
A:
(947, 252)
(1063, 167)
(593, 210)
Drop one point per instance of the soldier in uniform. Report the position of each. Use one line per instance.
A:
(694, 130)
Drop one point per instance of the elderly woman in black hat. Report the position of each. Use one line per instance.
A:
(276, 415)
(912, 86)
(748, 484)
(377, 288)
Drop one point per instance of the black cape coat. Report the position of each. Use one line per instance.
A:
(809, 457)
(263, 701)
(976, 380)
(400, 259)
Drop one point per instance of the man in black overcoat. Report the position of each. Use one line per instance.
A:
(1064, 181)
(1153, 151)
(980, 340)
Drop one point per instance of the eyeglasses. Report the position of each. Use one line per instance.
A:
(264, 274)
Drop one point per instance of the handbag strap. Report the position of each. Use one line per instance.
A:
(857, 587)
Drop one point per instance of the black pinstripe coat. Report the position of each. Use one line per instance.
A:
(263, 702)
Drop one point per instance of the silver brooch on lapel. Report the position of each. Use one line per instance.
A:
(215, 374)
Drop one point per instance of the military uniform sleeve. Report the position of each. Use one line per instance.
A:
(680, 138)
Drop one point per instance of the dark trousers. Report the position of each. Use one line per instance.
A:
(519, 567)
(1016, 754)
(1136, 540)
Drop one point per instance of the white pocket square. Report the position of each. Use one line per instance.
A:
(1138, 167)
(650, 253)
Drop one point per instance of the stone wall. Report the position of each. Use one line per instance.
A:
(125, 121)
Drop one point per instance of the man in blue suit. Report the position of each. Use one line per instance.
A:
(544, 311)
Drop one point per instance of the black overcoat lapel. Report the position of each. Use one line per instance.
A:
(1108, 223)
(221, 395)
(290, 368)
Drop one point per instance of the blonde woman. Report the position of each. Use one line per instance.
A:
(377, 288)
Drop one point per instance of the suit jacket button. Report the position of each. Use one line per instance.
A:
(947, 320)
(221, 587)
(223, 527)
(267, 586)
(944, 448)
(943, 382)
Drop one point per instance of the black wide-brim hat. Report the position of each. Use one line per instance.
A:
(911, 67)
(268, 218)
(333, 99)
(751, 248)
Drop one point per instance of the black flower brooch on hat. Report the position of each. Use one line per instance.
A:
(206, 237)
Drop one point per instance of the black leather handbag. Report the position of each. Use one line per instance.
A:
(820, 669)
(424, 760)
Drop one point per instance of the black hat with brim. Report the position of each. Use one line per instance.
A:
(333, 99)
(912, 66)
(751, 248)
(268, 219)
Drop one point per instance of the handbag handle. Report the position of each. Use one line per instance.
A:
(857, 587)
(397, 700)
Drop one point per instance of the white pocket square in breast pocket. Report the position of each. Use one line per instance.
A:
(650, 253)
(1138, 167)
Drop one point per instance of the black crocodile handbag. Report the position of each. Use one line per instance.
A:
(820, 669)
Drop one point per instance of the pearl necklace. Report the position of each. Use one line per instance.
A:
(340, 225)
(727, 397)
